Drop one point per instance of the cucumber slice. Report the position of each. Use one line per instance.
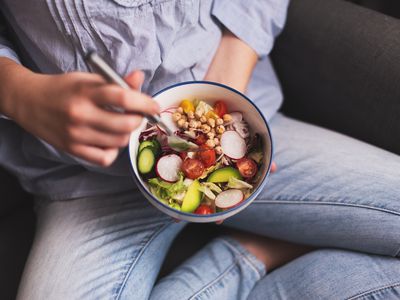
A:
(153, 144)
(146, 160)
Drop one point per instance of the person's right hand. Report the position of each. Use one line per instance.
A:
(69, 112)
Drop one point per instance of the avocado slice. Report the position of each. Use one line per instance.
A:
(192, 197)
(223, 175)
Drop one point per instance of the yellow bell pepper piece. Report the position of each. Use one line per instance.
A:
(212, 114)
(187, 106)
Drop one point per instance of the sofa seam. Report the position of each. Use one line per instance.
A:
(370, 292)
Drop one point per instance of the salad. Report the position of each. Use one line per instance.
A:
(220, 174)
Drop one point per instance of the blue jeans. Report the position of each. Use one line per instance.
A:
(330, 191)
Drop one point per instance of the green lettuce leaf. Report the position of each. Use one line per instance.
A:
(166, 191)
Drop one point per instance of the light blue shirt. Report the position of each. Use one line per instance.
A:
(170, 40)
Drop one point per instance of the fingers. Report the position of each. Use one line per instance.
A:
(135, 80)
(98, 156)
(219, 222)
(274, 167)
(112, 122)
(91, 137)
(128, 100)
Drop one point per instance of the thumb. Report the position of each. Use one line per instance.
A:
(135, 79)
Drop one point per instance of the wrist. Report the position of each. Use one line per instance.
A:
(18, 86)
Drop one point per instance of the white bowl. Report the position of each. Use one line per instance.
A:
(210, 92)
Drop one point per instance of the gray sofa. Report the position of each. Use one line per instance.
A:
(339, 65)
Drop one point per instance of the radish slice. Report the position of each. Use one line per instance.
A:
(229, 198)
(168, 167)
(236, 117)
(233, 145)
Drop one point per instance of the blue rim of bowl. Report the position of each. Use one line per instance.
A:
(255, 193)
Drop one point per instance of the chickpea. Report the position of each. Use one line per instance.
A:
(186, 125)
(180, 110)
(219, 121)
(205, 128)
(211, 122)
(203, 119)
(210, 143)
(227, 118)
(176, 116)
(211, 135)
(198, 114)
(218, 150)
(220, 129)
(180, 123)
(216, 141)
(190, 114)
(183, 117)
(192, 123)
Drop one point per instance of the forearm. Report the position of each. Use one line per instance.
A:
(13, 79)
(233, 63)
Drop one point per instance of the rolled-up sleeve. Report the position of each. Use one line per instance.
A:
(6, 49)
(256, 22)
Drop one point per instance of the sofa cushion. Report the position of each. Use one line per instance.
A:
(339, 65)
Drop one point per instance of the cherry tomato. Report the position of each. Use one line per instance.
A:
(220, 108)
(192, 168)
(200, 139)
(203, 210)
(247, 167)
(206, 155)
(183, 155)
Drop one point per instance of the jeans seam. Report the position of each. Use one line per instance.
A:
(245, 258)
(218, 279)
(370, 292)
(314, 202)
(146, 243)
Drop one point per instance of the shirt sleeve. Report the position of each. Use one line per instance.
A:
(6, 49)
(256, 22)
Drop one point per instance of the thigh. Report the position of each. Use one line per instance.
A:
(330, 190)
(332, 274)
(107, 247)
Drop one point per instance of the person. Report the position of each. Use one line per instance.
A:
(98, 238)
